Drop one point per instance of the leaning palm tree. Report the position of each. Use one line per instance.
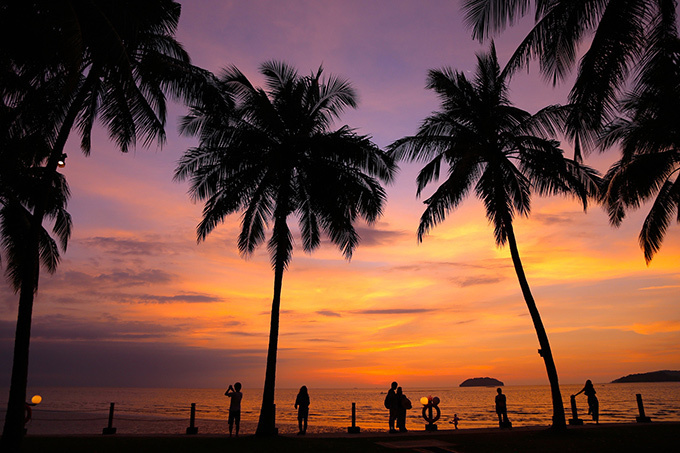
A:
(273, 155)
(502, 154)
(623, 35)
(648, 133)
(112, 62)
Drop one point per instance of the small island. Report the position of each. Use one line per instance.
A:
(481, 382)
(653, 376)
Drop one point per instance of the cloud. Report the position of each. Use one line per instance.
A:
(553, 219)
(373, 236)
(179, 298)
(63, 328)
(328, 313)
(478, 280)
(394, 311)
(122, 278)
(120, 246)
(135, 364)
(489, 264)
(656, 327)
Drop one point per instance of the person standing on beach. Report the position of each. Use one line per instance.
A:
(455, 421)
(234, 406)
(593, 403)
(391, 403)
(403, 404)
(302, 405)
(502, 409)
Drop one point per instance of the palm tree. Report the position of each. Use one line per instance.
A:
(649, 137)
(502, 154)
(100, 60)
(623, 35)
(273, 155)
(23, 183)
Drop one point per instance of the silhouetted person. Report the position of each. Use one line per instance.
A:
(501, 409)
(391, 403)
(403, 404)
(455, 421)
(302, 405)
(234, 406)
(593, 403)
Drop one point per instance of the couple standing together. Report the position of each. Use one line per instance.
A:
(398, 404)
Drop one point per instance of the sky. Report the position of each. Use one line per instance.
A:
(137, 302)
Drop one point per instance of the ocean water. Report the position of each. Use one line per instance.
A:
(84, 410)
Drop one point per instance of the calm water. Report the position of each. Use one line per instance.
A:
(84, 410)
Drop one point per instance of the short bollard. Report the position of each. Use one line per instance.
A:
(641, 409)
(574, 420)
(354, 429)
(110, 429)
(192, 419)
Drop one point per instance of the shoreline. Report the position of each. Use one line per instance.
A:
(602, 438)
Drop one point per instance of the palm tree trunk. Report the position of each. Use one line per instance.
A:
(13, 430)
(559, 420)
(267, 423)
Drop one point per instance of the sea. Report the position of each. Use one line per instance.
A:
(86, 410)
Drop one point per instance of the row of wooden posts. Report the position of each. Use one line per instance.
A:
(641, 418)
(354, 429)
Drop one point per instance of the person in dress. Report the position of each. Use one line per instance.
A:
(234, 393)
(392, 405)
(501, 409)
(403, 404)
(593, 403)
(302, 405)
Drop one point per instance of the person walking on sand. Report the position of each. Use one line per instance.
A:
(391, 403)
(593, 403)
(502, 409)
(455, 421)
(234, 406)
(403, 404)
(302, 405)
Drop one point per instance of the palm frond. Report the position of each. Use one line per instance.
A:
(665, 208)
(485, 17)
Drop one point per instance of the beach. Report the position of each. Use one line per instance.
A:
(603, 438)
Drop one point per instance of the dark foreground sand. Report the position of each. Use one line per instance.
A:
(604, 438)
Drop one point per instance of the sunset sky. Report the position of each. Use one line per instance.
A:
(137, 302)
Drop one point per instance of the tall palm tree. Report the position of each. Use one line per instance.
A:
(502, 154)
(273, 155)
(623, 35)
(24, 183)
(649, 137)
(114, 62)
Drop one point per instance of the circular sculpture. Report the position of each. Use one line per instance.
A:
(431, 406)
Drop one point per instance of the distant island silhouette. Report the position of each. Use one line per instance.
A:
(481, 382)
(653, 376)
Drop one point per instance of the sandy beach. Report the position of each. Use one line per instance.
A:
(603, 438)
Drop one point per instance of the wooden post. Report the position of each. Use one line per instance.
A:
(574, 420)
(641, 409)
(110, 429)
(192, 419)
(354, 429)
